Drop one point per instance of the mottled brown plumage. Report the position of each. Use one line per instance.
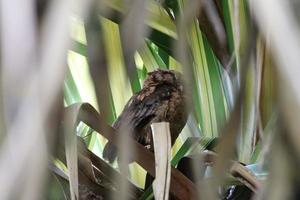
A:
(162, 98)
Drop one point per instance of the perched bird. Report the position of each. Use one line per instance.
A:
(162, 99)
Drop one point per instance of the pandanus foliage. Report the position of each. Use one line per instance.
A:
(69, 67)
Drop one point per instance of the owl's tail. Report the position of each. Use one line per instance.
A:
(110, 152)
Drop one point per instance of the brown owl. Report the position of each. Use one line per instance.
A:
(162, 99)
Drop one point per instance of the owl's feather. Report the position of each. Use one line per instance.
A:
(161, 99)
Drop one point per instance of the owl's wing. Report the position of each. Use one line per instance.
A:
(138, 112)
(143, 107)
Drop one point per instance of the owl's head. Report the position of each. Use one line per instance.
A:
(160, 76)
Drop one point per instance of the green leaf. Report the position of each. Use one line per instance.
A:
(119, 82)
(158, 18)
(71, 94)
(150, 58)
(211, 104)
